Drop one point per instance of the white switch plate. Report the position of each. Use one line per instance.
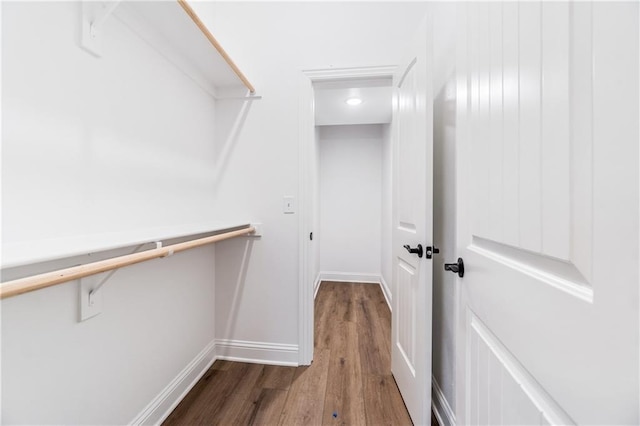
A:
(90, 306)
(289, 204)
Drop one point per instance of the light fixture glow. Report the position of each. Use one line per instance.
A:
(353, 101)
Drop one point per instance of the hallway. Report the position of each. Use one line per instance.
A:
(350, 377)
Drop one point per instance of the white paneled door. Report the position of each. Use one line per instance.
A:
(548, 205)
(412, 227)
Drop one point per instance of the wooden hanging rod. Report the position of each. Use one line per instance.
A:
(48, 279)
(194, 17)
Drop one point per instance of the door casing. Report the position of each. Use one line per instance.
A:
(307, 139)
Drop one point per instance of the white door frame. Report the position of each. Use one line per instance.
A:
(307, 138)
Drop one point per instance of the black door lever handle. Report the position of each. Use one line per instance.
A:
(417, 250)
(457, 268)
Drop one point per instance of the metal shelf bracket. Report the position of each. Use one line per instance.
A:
(94, 16)
(90, 296)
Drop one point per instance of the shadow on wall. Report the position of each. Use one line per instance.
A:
(444, 232)
(237, 258)
(444, 187)
(232, 256)
(230, 122)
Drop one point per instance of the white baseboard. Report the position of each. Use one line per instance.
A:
(257, 352)
(254, 352)
(163, 404)
(233, 350)
(316, 286)
(386, 291)
(440, 406)
(349, 277)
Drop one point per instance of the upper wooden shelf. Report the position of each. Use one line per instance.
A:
(30, 252)
(175, 30)
(196, 20)
(60, 276)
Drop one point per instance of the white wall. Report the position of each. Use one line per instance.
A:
(100, 145)
(350, 200)
(89, 139)
(315, 208)
(272, 43)
(156, 318)
(386, 251)
(444, 203)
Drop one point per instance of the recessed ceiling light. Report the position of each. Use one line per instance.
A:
(354, 101)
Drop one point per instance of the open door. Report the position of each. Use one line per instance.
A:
(412, 229)
(548, 204)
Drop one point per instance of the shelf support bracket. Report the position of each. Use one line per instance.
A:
(94, 16)
(89, 290)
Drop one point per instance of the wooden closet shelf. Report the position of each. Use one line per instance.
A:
(48, 279)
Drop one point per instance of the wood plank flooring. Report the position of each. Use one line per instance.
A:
(349, 382)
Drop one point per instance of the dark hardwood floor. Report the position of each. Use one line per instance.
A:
(349, 382)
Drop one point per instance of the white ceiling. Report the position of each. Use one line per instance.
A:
(331, 108)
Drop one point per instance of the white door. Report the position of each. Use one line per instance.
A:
(548, 202)
(412, 226)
